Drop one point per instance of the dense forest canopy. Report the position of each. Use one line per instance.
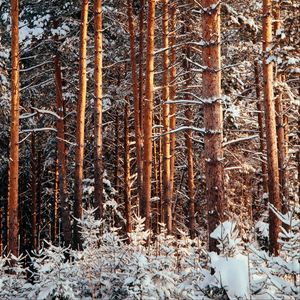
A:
(149, 149)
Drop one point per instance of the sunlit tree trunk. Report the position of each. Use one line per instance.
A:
(189, 143)
(13, 186)
(172, 94)
(213, 119)
(80, 124)
(147, 117)
(273, 173)
(166, 188)
(98, 109)
(136, 102)
(61, 158)
(141, 60)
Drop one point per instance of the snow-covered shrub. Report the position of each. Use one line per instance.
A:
(53, 276)
(278, 277)
(12, 277)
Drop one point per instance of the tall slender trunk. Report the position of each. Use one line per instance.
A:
(13, 186)
(141, 60)
(127, 181)
(147, 117)
(39, 196)
(136, 103)
(117, 152)
(98, 109)
(80, 124)
(61, 158)
(280, 120)
(54, 220)
(273, 173)
(166, 188)
(213, 119)
(260, 119)
(172, 94)
(189, 144)
(34, 192)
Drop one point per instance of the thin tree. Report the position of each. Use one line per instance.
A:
(213, 120)
(136, 102)
(80, 123)
(98, 109)
(166, 188)
(280, 129)
(61, 158)
(189, 141)
(273, 173)
(260, 120)
(127, 180)
(13, 185)
(33, 192)
(147, 117)
(141, 60)
(172, 93)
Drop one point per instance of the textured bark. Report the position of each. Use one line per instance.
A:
(127, 181)
(61, 158)
(166, 188)
(147, 117)
(33, 193)
(188, 135)
(213, 120)
(136, 103)
(141, 60)
(54, 220)
(172, 94)
(260, 119)
(98, 109)
(80, 124)
(280, 121)
(117, 152)
(13, 186)
(273, 173)
(281, 145)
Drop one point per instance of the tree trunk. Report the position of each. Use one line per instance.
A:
(13, 186)
(189, 143)
(213, 119)
(34, 192)
(98, 109)
(136, 103)
(127, 181)
(260, 119)
(166, 188)
(141, 61)
(172, 95)
(61, 158)
(54, 220)
(147, 118)
(273, 173)
(80, 124)
(117, 152)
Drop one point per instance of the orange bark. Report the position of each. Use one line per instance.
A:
(166, 177)
(80, 123)
(98, 109)
(213, 119)
(13, 186)
(147, 117)
(273, 173)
